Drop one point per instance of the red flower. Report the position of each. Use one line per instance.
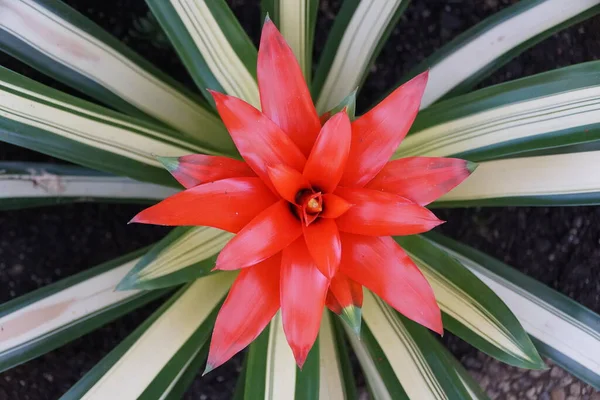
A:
(313, 207)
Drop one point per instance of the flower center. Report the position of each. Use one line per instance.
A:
(313, 206)
(309, 205)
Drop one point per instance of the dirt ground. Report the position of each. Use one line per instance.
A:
(558, 246)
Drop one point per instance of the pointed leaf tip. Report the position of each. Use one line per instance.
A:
(267, 18)
(208, 369)
(472, 166)
(352, 316)
(170, 163)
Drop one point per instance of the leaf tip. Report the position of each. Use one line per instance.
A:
(471, 166)
(209, 368)
(170, 163)
(352, 316)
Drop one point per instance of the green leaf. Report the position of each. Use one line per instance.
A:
(57, 40)
(52, 316)
(348, 103)
(553, 109)
(562, 329)
(296, 21)
(26, 184)
(271, 371)
(212, 45)
(357, 36)
(561, 179)
(185, 254)
(46, 120)
(336, 379)
(471, 310)
(419, 361)
(476, 53)
(159, 352)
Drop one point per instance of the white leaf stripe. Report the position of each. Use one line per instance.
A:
(331, 385)
(411, 368)
(40, 183)
(506, 123)
(539, 310)
(356, 49)
(535, 177)
(58, 311)
(148, 356)
(294, 23)
(280, 379)
(85, 125)
(490, 44)
(216, 50)
(465, 309)
(79, 51)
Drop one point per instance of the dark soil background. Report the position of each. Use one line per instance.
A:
(558, 246)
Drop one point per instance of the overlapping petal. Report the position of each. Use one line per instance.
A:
(381, 265)
(377, 134)
(250, 305)
(227, 204)
(259, 140)
(196, 169)
(422, 179)
(345, 298)
(323, 241)
(266, 235)
(376, 213)
(284, 96)
(334, 206)
(327, 159)
(303, 291)
(288, 182)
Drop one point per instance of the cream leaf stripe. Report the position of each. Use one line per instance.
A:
(90, 57)
(41, 184)
(493, 43)
(550, 175)
(59, 310)
(197, 244)
(88, 127)
(280, 378)
(330, 372)
(368, 24)
(216, 50)
(293, 24)
(403, 354)
(544, 322)
(151, 352)
(515, 121)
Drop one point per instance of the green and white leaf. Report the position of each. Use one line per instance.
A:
(161, 349)
(60, 42)
(562, 329)
(271, 371)
(333, 375)
(471, 310)
(359, 31)
(474, 54)
(212, 45)
(296, 21)
(185, 254)
(24, 184)
(44, 119)
(420, 363)
(553, 109)
(560, 179)
(54, 315)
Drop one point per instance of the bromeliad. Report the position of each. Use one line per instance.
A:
(313, 206)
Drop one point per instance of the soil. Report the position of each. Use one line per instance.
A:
(558, 246)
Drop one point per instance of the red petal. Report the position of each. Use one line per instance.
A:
(266, 235)
(327, 160)
(381, 265)
(288, 182)
(380, 214)
(334, 206)
(421, 179)
(258, 139)
(284, 96)
(227, 204)
(251, 303)
(345, 298)
(323, 241)
(378, 133)
(196, 169)
(303, 291)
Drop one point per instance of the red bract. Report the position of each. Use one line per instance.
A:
(313, 207)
